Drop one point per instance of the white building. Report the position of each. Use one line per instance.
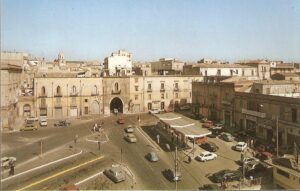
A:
(118, 64)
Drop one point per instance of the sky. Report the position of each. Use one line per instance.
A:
(187, 30)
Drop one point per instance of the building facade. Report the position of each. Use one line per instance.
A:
(118, 64)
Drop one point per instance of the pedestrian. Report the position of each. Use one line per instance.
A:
(75, 139)
(251, 143)
(157, 136)
(12, 168)
(190, 159)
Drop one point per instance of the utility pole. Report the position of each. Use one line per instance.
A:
(176, 168)
(121, 155)
(277, 137)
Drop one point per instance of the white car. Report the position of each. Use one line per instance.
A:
(249, 160)
(205, 156)
(154, 111)
(31, 118)
(43, 121)
(240, 146)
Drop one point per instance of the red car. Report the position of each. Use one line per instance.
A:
(121, 121)
(200, 140)
(264, 156)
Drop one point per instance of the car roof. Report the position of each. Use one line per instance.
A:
(241, 143)
(205, 152)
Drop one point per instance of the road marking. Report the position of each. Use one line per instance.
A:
(42, 166)
(60, 173)
(88, 178)
(107, 139)
(138, 128)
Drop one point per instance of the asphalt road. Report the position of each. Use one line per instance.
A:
(146, 175)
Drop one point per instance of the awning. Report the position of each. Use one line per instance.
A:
(188, 127)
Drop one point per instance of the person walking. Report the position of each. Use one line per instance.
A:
(190, 159)
(12, 168)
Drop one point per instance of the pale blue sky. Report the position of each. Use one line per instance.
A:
(188, 29)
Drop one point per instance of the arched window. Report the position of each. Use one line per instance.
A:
(58, 91)
(95, 90)
(74, 90)
(43, 90)
(116, 86)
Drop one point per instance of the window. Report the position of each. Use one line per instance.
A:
(281, 172)
(43, 90)
(205, 72)
(95, 90)
(252, 72)
(74, 89)
(58, 91)
(162, 86)
(237, 71)
(149, 96)
(268, 91)
(162, 96)
(241, 103)
(86, 100)
(149, 86)
(136, 97)
(176, 95)
(231, 72)
(243, 72)
(294, 115)
(176, 85)
(136, 88)
(219, 72)
(116, 86)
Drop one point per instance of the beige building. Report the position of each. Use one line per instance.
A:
(167, 66)
(11, 70)
(263, 67)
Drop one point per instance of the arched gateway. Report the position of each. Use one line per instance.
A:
(116, 103)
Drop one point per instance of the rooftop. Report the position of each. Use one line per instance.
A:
(220, 66)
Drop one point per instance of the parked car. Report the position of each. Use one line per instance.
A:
(43, 121)
(185, 107)
(154, 111)
(218, 126)
(170, 174)
(152, 156)
(29, 126)
(212, 135)
(129, 129)
(228, 175)
(116, 174)
(200, 140)
(264, 156)
(249, 159)
(209, 146)
(121, 121)
(210, 187)
(6, 161)
(32, 118)
(207, 124)
(240, 146)
(205, 156)
(62, 123)
(130, 138)
(255, 165)
(227, 137)
(216, 132)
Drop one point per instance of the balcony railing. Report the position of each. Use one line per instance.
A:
(176, 89)
(114, 92)
(58, 95)
(43, 95)
(72, 94)
(162, 90)
(43, 106)
(149, 90)
(254, 113)
(94, 94)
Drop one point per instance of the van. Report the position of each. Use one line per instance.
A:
(29, 126)
(43, 121)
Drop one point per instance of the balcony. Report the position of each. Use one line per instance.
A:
(254, 113)
(116, 92)
(43, 106)
(43, 95)
(149, 90)
(58, 95)
(176, 89)
(162, 90)
(94, 94)
(73, 94)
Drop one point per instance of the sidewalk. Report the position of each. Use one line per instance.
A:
(45, 158)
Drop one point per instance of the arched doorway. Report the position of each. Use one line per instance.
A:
(95, 107)
(116, 103)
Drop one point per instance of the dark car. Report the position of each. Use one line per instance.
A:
(62, 123)
(210, 187)
(264, 156)
(170, 175)
(116, 174)
(209, 146)
(216, 132)
(227, 175)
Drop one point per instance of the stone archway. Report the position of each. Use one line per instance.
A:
(95, 109)
(116, 103)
